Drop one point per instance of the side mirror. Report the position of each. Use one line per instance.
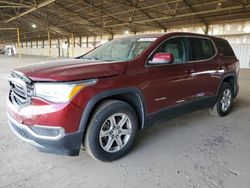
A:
(162, 58)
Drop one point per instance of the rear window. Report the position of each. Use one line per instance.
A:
(202, 49)
(224, 47)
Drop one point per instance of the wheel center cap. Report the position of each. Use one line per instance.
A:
(115, 131)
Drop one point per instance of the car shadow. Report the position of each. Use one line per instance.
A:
(165, 128)
(157, 129)
(240, 103)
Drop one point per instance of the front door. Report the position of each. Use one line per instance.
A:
(170, 84)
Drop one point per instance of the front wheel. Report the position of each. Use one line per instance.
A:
(224, 102)
(111, 131)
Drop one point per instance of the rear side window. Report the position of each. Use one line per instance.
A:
(224, 47)
(202, 49)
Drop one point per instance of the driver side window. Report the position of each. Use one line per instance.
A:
(175, 46)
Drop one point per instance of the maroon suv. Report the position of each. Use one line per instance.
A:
(102, 98)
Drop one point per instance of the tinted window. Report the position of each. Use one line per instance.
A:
(175, 46)
(201, 48)
(225, 48)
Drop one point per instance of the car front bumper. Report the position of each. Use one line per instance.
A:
(56, 142)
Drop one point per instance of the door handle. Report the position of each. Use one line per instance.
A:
(190, 71)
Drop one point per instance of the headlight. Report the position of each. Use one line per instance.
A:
(60, 92)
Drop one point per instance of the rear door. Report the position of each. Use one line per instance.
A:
(206, 69)
(170, 84)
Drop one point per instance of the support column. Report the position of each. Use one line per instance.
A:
(68, 47)
(73, 45)
(49, 43)
(18, 42)
(87, 41)
(80, 41)
(206, 29)
(94, 41)
(111, 36)
(59, 48)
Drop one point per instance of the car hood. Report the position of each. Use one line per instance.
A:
(71, 70)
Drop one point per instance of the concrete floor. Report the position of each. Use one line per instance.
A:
(195, 150)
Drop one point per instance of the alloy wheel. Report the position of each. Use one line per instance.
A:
(115, 132)
(226, 100)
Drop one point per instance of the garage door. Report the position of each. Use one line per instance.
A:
(242, 51)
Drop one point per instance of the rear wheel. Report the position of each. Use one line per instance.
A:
(111, 131)
(224, 102)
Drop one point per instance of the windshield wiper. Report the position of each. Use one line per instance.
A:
(108, 60)
(89, 58)
(95, 58)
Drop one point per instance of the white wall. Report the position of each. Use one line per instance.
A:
(242, 51)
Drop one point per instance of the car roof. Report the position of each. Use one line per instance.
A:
(157, 35)
(153, 35)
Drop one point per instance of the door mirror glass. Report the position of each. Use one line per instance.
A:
(162, 58)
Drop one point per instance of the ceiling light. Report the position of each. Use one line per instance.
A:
(126, 32)
(219, 5)
(33, 25)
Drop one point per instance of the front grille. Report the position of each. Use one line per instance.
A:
(21, 89)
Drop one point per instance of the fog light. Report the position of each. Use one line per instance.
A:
(46, 131)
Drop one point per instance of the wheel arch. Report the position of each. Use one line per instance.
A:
(132, 96)
(232, 80)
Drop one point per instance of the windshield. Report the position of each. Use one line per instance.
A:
(123, 49)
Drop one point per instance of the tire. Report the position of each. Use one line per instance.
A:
(224, 101)
(105, 139)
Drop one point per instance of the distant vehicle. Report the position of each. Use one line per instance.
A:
(10, 50)
(102, 98)
(2, 51)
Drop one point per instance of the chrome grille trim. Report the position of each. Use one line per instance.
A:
(21, 76)
(21, 89)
